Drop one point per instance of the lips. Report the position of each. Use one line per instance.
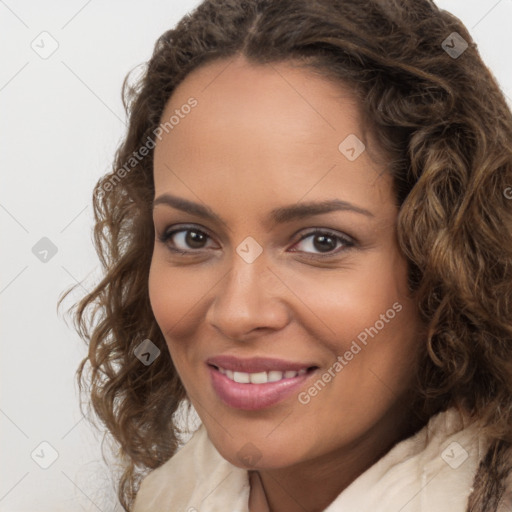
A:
(256, 383)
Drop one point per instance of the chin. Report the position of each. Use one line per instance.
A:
(255, 456)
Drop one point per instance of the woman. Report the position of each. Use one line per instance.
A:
(307, 237)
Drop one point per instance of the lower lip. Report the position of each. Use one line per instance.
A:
(252, 397)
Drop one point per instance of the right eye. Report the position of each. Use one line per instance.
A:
(184, 240)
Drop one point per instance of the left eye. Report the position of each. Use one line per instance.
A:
(323, 242)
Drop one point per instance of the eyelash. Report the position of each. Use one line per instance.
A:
(346, 241)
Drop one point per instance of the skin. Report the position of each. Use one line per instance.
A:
(263, 137)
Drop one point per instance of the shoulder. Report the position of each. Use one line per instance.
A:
(196, 472)
(446, 456)
(431, 470)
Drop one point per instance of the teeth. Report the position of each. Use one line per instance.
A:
(242, 377)
(260, 377)
(274, 376)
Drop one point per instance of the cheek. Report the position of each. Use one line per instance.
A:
(179, 300)
(174, 294)
(171, 308)
(386, 344)
(372, 324)
(344, 302)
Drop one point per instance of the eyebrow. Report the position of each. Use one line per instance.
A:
(279, 215)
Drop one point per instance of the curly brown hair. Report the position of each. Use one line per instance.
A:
(446, 129)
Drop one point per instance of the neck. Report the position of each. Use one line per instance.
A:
(312, 485)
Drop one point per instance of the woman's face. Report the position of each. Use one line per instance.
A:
(284, 257)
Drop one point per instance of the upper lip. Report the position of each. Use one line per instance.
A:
(256, 364)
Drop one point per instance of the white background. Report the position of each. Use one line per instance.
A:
(61, 121)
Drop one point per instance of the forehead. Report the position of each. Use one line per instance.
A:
(274, 129)
(279, 96)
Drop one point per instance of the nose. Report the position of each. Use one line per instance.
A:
(249, 300)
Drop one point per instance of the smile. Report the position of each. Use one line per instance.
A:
(257, 390)
(260, 377)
